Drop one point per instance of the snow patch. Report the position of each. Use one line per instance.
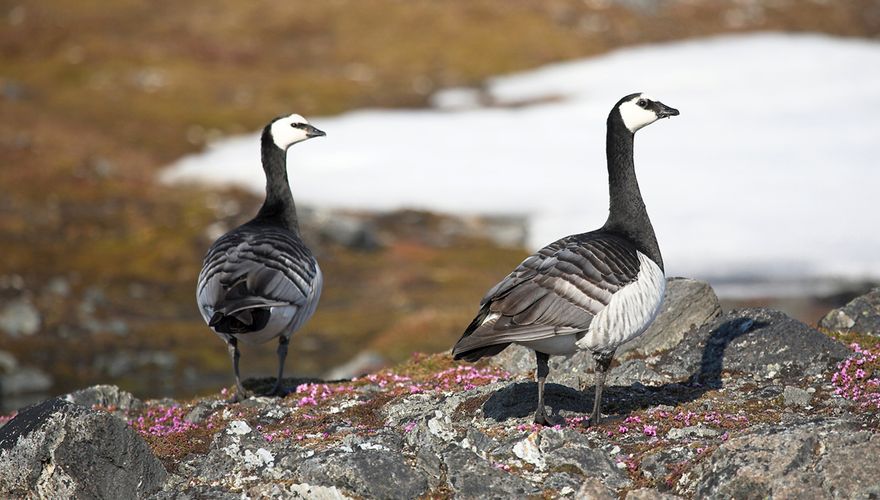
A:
(770, 171)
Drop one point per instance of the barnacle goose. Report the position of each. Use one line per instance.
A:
(591, 291)
(259, 281)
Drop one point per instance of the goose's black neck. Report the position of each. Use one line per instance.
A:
(627, 215)
(279, 208)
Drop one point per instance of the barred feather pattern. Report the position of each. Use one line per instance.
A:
(557, 291)
(259, 267)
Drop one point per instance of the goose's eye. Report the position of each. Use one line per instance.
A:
(296, 125)
(641, 103)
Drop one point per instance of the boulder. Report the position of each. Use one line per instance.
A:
(369, 470)
(470, 476)
(57, 449)
(810, 459)
(760, 344)
(19, 318)
(365, 362)
(860, 315)
(109, 397)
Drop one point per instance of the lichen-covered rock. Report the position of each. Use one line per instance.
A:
(860, 315)
(811, 459)
(760, 344)
(108, 397)
(60, 450)
(370, 470)
(684, 421)
(470, 476)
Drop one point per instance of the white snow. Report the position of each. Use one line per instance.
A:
(771, 170)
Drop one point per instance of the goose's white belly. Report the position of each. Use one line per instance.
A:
(630, 311)
(557, 345)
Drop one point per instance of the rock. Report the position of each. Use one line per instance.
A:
(106, 396)
(812, 459)
(761, 344)
(365, 362)
(8, 363)
(19, 317)
(470, 476)
(367, 471)
(120, 363)
(594, 489)
(592, 463)
(58, 286)
(345, 229)
(688, 304)
(649, 494)
(434, 428)
(860, 315)
(442, 230)
(505, 231)
(691, 432)
(18, 380)
(796, 396)
(58, 449)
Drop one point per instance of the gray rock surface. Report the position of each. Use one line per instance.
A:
(796, 396)
(19, 317)
(57, 449)
(860, 315)
(812, 459)
(742, 406)
(365, 362)
(760, 344)
(368, 471)
(105, 396)
(469, 476)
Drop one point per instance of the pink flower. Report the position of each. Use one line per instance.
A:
(650, 430)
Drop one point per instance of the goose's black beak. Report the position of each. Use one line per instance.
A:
(664, 111)
(314, 132)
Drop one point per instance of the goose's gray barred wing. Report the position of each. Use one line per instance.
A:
(558, 290)
(250, 268)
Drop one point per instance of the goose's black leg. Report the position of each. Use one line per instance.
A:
(282, 355)
(603, 361)
(541, 373)
(240, 393)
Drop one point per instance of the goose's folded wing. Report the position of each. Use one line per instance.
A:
(558, 290)
(252, 270)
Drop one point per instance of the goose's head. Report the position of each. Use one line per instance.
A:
(289, 130)
(637, 110)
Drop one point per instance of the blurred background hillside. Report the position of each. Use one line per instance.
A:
(100, 257)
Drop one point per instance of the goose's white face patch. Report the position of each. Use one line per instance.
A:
(286, 134)
(635, 116)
